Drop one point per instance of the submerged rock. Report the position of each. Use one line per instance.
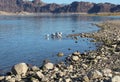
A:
(60, 54)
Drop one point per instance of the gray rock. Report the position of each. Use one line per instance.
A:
(118, 48)
(49, 66)
(20, 69)
(94, 74)
(116, 79)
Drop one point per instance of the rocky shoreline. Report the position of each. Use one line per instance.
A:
(102, 65)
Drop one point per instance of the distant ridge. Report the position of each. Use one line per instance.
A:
(37, 6)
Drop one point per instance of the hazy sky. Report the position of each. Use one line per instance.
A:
(69, 1)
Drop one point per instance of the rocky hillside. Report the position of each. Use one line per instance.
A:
(39, 6)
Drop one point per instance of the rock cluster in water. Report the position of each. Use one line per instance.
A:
(102, 65)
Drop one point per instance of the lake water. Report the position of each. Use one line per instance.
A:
(22, 38)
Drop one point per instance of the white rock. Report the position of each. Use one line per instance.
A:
(75, 58)
(18, 78)
(68, 80)
(86, 79)
(49, 66)
(94, 74)
(20, 69)
(116, 79)
(84, 66)
(2, 77)
(35, 68)
(7, 78)
(107, 72)
(40, 75)
(98, 57)
(70, 68)
(56, 69)
(34, 80)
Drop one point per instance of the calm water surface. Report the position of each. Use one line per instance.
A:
(22, 39)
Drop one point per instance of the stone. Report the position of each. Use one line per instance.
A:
(49, 66)
(107, 72)
(98, 57)
(18, 78)
(11, 80)
(70, 68)
(60, 54)
(35, 68)
(84, 66)
(94, 74)
(68, 80)
(34, 80)
(75, 58)
(40, 75)
(85, 79)
(56, 69)
(2, 77)
(20, 69)
(118, 48)
(7, 78)
(116, 79)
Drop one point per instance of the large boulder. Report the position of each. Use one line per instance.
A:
(20, 69)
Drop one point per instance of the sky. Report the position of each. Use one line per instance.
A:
(70, 1)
